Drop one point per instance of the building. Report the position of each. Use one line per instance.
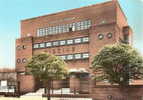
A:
(8, 80)
(75, 35)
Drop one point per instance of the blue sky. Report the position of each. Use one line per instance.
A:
(12, 11)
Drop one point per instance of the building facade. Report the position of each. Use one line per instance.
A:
(74, 35)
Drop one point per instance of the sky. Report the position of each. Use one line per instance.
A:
(13, 11)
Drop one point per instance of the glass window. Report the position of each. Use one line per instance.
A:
(69, 41)
(78, 40)
(85, 39)
(18, 60)
(42, 45)
(63, 57)
(77, 56)
(24, 60)
(85, 55)
(36, 46)
(48, 44)
(69, 57)
(100, 36)
(55, 43)
(63, 42)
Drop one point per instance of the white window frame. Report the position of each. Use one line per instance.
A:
(77, 40)
(70, 57)
(78, 56)
(85, 39)
(41, 45)
(55, 43)
(85, 55)
(48, 44)
(63, 42)
(35, 46)
(70, 41)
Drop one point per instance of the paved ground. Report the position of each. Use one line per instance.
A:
(38, 96)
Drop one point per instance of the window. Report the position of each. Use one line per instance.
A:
(48, 44)
(18, 61)
(63, 57)
(78, 40)
(63, 42)
(42, 45)
(109, 35)
(85, 55)
(100, 36)
(55, 43)
(85, 39)
(77, 56)
(69, 57)
(69, 41)
(24, 60)
(36, 46)
(64, 28)
(18, 47)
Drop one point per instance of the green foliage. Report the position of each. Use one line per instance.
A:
(118, 64)
(47, 67)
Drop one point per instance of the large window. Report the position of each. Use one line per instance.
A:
(41, 45)
(64, 28)
(75, 56)
(78, 40)
(61, 42)
(69, 41)
(48, 44)
(36, 46)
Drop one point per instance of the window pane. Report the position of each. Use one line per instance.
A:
(85, 55)
(48, 44)
(77, 56)
(69, 41)
(63, 57)
(56, 43)
(36, 46)
(69, 57)
(63, 42)
(42, 45)
(85, 39)
(78, 40)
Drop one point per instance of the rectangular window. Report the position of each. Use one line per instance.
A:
(69, 41)
(63, 42)
(55, 43)
(42, 45)
(69, 57)
(77, 56)
(63, 57)
(48, 44)
(85, 55)
(36, 46)
(85, 39)
(78, 40)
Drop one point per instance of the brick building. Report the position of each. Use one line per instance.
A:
(75, 35)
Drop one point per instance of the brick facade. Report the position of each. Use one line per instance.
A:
(105, 18)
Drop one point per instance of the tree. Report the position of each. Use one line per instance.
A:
(118, 63)
(47, 67)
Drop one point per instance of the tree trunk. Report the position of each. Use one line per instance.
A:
(49, 87)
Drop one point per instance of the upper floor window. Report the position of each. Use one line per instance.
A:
(48, 44)
(69, 41)
(77, 56)
(85, 39)
(85, 55)
(36, 46)
(55, 43)
(78, 40)
(63, 42)
(64, 28)
(42, 45)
